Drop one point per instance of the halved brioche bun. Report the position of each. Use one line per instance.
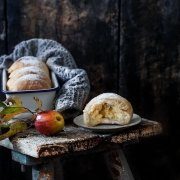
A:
(108, 108)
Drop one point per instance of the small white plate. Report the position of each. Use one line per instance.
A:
(107, 128)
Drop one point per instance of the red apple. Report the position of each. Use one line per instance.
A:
(49, 122)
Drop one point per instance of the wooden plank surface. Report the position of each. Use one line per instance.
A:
(146, 129)
(149, 58)
(89, 29)
(74, 139)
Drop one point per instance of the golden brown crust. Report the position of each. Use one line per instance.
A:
(16, 76)
(27, 70)
(28, 61)
(22, 82)
(28, 82)
(28, 73)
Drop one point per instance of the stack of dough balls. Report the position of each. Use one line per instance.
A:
(28, 73)
(108, 108)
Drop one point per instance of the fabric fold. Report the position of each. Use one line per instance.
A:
(74, 88)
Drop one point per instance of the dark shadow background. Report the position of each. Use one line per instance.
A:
(128, 47)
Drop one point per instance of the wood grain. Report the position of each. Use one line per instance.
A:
(130, 46)
(150, 58)
(2, 28)
(89, 29)
(74, 139)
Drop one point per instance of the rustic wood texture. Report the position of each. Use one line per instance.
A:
(146, 129)
(89, 29)
(45, 171)
(130, 47)
(74, 139)
(117, 165)
(150, 58)
(2, 28)
(143, 35)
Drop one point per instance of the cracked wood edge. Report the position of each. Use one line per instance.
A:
(76, 139)
(148, 128)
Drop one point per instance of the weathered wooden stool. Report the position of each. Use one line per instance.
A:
(44, 154)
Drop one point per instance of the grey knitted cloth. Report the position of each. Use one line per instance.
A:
(74, 82)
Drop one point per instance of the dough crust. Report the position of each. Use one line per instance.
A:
(28, 73)
(108, 108)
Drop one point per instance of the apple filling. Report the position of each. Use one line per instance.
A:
(108, 113)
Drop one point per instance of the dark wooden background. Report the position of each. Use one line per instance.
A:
(131, 47)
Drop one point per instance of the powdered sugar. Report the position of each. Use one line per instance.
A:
(30, 82)
(104, 97)
(27, 70)
(26, 61)
(30, 60)
(30, 77)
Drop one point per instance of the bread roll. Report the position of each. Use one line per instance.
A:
(28, 73)
(28, 82)
(28, 61)
(28, 70)
(108, 108)
(12, 81)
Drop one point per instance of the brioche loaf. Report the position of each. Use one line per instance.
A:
(29, 82)
(27, 70)
(28, 73)
(28, 61)
(108, 108)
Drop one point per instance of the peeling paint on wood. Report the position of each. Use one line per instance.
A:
(43, 172)
(147, 129)
(75, 139)
(71, 139)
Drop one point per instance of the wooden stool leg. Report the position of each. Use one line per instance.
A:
(50, 169)
(58, 169)
(43, 172)
(117, 165)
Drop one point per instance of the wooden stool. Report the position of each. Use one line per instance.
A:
(44, 154)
